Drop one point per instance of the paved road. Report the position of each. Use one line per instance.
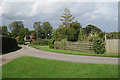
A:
(29, 51)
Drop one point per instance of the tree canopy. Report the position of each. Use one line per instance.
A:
(15, 27)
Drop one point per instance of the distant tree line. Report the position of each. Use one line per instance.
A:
(69, 30)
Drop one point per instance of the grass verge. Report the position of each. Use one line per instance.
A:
(31, 67)
(46, 48)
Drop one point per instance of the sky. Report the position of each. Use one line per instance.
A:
(104, 15)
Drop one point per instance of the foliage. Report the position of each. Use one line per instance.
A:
(15, 27)
(60, 44)
(80, 36)
(60, 33)
(4, 31)
(73, 31)
(69, 33)
(67, 17)
(43, 30)
(8, 44)
(37, 27)
(51, 43)
(91, 28)
(20, 42)
(33, 31)
(47, 28)
(99, 46)
(22, 33)
(40, 42)
(113, 35)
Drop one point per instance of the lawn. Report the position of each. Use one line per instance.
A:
(31, 67)
(46, 48)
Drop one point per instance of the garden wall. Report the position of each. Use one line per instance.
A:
(74, 46)
(112, 46)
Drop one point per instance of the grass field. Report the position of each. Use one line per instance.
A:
(31, 67)
(46, 48)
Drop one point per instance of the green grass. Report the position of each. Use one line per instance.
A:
(20, 45)
(46, 48)
(31, 67)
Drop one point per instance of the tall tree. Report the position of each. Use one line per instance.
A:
(67, 17)
(37, 26)
(15, 27)
(47, 28)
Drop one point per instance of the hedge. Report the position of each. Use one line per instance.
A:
(99, 46)
(51, 43)
(20, 42)
(8, 44)
(40, 42)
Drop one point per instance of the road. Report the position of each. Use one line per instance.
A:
(29, 51)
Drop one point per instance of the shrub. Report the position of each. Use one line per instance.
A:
(51, 43)
(40, 42)
(60, 44)
(99, 46)
(8, 44)
(20, 42)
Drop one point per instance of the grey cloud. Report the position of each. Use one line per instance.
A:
(103, 15)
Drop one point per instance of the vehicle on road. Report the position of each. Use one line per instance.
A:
(27, 40)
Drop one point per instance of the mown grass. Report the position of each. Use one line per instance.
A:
(20, 45)
(46, 48)
(31, 67)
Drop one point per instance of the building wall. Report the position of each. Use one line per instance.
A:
(112, 46)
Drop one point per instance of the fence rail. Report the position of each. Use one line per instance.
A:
(75, 46)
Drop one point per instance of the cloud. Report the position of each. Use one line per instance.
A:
(99, 14)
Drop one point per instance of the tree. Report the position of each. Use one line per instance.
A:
(22, 33)
(73, 31)
(91, 28)
(33, 31)
(47, 28)
(67, 17)
(4, 31)
(60, 33)
(81, 35)
(37, 26)
(15, 27)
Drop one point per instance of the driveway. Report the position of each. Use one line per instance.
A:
(29, 51)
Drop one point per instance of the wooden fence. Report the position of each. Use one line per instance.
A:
(74, 46)
(112, 46)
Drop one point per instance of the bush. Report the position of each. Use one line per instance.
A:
(99, 46)
(51, 43)
(20, 42)
(8, 44)
(41, 42)
(60, 44)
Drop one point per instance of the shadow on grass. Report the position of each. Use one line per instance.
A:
(11, 50)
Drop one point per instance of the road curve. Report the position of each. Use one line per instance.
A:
(29, 51)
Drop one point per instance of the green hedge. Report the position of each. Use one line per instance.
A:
(8, 44)
(99, 46)
(51, 43)
(41, 42)
(60, 44)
